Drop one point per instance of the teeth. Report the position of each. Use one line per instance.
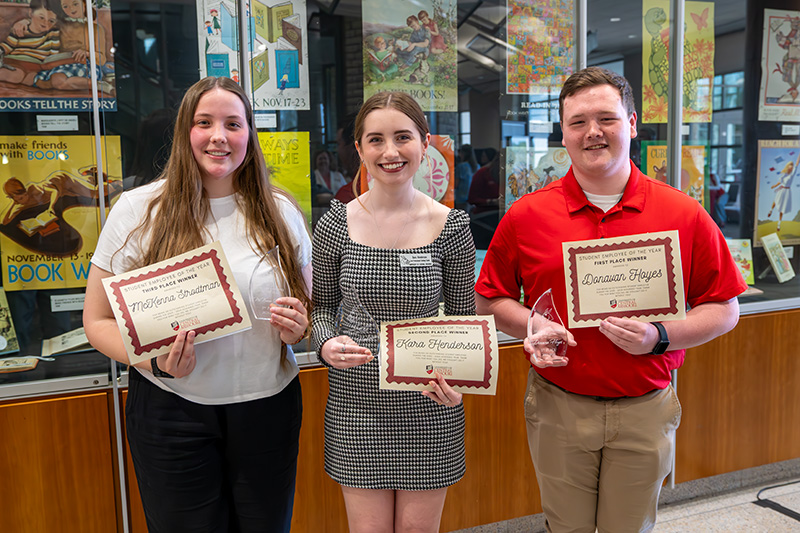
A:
(392, 166)
(217, 153)
(596, 147)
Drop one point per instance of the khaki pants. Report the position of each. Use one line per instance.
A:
(599, 464)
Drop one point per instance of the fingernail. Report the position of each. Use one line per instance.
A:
(370, 358)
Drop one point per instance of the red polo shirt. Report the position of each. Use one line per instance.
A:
(526, 252)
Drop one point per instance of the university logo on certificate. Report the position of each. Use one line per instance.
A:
(635, 276)
(463, 349)
(192, 291)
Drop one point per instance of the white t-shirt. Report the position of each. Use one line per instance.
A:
(237, 368)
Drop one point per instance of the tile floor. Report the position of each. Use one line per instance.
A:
(720, 504)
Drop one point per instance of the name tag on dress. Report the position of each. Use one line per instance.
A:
(415, 260)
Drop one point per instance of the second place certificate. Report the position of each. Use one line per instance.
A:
(462, 349)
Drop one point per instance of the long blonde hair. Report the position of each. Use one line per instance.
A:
(174, 219)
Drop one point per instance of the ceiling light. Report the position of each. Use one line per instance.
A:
(615, 19)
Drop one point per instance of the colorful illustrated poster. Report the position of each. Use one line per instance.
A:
(8, 335)
(694, 166)
(49, 219)
(778, 191)
(742, 253)
(780, 67)
(287, 156)
(411, 47)
(698, 61)
(436, 175)
(541, 47)
(529, 169)
(277, 52)
(39, 72)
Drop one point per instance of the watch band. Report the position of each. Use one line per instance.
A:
(157, 372)
(663, 340)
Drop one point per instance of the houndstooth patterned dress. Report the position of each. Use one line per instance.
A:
(376, 439)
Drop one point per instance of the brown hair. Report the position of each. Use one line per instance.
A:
(388, 100)
(423, 14)
(174, 219)
(592, 77)
(411, 19)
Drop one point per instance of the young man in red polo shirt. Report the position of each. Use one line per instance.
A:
(601, 427)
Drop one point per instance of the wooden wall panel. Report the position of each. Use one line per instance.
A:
(741, 398)
(499, 483)
(56, 466)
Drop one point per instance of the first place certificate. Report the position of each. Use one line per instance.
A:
(635, 276)
(192, 291)
(462, 349)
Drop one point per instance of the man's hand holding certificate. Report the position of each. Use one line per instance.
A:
(192, 291)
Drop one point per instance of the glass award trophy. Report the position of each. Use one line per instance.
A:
(546, 333)
(356, 322)
(267, 284)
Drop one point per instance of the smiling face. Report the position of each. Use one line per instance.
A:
(219, 139)
(73, 8)
(42, 20)
(391, 146)
(597, 135)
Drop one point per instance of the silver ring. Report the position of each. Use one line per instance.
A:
(344, 348)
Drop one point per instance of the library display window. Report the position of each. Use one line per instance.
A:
(74, 136)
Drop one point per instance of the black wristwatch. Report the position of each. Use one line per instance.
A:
(157, 372)
(663, 341)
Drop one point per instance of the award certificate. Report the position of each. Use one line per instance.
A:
(635, 276)
(462, 349)
(192, 291)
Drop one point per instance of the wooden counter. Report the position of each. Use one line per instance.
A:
(740, 397)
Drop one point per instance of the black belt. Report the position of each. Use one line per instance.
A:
(595, 398)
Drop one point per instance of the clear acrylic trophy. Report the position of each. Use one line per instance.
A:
(353, 320)
(267, 284)
(546, 333)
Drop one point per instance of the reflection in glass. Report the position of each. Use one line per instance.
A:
(546, 332)
(354, 321)
(267, 284)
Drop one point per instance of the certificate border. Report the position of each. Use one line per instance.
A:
(138, 348)
(407, 380)
(578, 317)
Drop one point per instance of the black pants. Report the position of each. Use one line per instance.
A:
(216, 468)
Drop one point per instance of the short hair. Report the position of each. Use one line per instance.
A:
(423, 13)
(411, 19)
(49, 5)
(592, 77)
(13, 185)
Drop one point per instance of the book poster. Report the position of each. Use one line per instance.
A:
(698, 61)
(44, 58)
(277, 49)
(8, 335)
(530, 169)
(742, 253)
(694, 166)
(436, 175)
(778, 191)
(49, 219)
(541, 44)
(287, 156)
(411, 47)
(780, 67)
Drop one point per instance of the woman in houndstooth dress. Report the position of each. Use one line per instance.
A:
(392, 254)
